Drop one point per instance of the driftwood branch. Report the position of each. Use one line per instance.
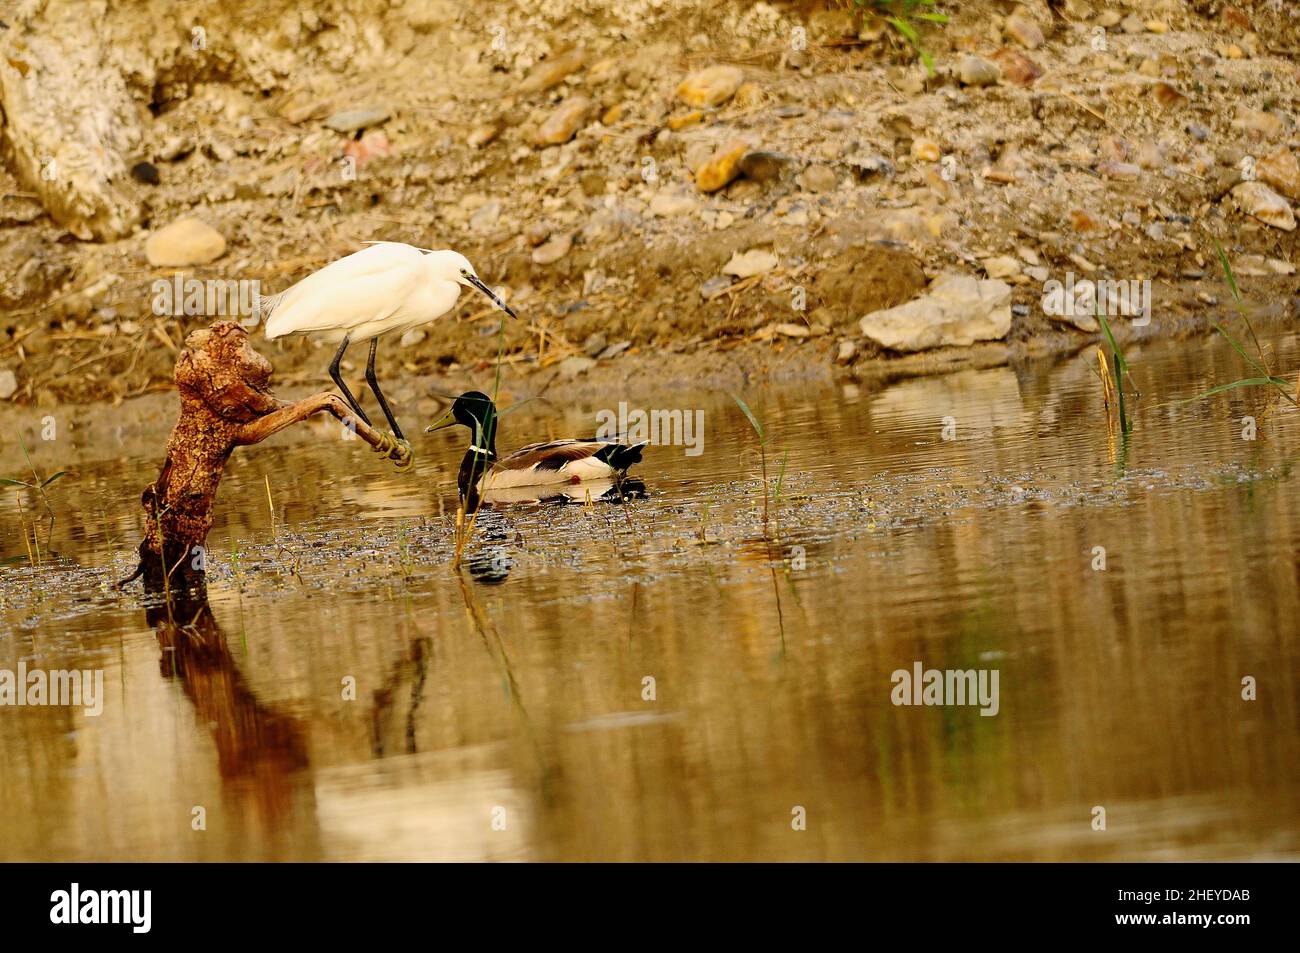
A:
(288, 414)
(225, 403)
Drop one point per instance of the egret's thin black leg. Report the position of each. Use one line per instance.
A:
(373, 381)
(334, 373)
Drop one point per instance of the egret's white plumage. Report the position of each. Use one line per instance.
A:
(387, 286)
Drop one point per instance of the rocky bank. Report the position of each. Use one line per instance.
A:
(658, 186)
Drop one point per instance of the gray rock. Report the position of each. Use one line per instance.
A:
(486, 218)
(1259, 201)
(553, 250)
(536, 233)
(575, 366)
(350, 120)
(763, 166)
(818, 178)
(715, 286)
(19, 210)
(594, 344)
(865, 164)
(186, 241)
(220, 151)
(8, 383)
(976, 71)
(956, 311)
(712, 86)
(607, 224)
(1003, 266)
(481, 135)
(839, 119)
(756, 261)
(667, 204)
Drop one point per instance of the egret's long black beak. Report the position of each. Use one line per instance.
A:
(496, 300)
(442, 423)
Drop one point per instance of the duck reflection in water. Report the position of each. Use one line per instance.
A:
(492, 564)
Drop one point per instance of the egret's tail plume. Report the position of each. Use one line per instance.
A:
(266, 305)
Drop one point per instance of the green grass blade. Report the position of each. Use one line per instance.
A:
(753, 421)
(1239, 349)
(52, 477)
(1227, 270)
(502, 411)
(1236, 294)
(905, 28)
(780, 478)
(1249, 382)
(1121, 370)
(1120, 363)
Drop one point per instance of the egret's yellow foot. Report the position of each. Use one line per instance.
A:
(402, 455)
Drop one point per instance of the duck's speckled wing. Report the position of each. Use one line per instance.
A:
(561, 461)
(551, 455)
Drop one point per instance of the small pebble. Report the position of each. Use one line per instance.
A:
(553, 250)
(145, 172)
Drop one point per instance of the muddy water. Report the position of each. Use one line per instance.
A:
(505, 713)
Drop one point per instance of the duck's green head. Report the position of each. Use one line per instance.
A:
(474, 410)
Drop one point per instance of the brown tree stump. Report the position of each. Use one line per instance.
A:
(225, 403)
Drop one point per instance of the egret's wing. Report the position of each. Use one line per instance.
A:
(368, 285)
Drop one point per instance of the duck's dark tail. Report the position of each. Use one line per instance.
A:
(621, 456)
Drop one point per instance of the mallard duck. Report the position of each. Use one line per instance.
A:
(538, 464)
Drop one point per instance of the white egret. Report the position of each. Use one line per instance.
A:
(389, 286)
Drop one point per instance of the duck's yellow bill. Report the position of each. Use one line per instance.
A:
(442, 423)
